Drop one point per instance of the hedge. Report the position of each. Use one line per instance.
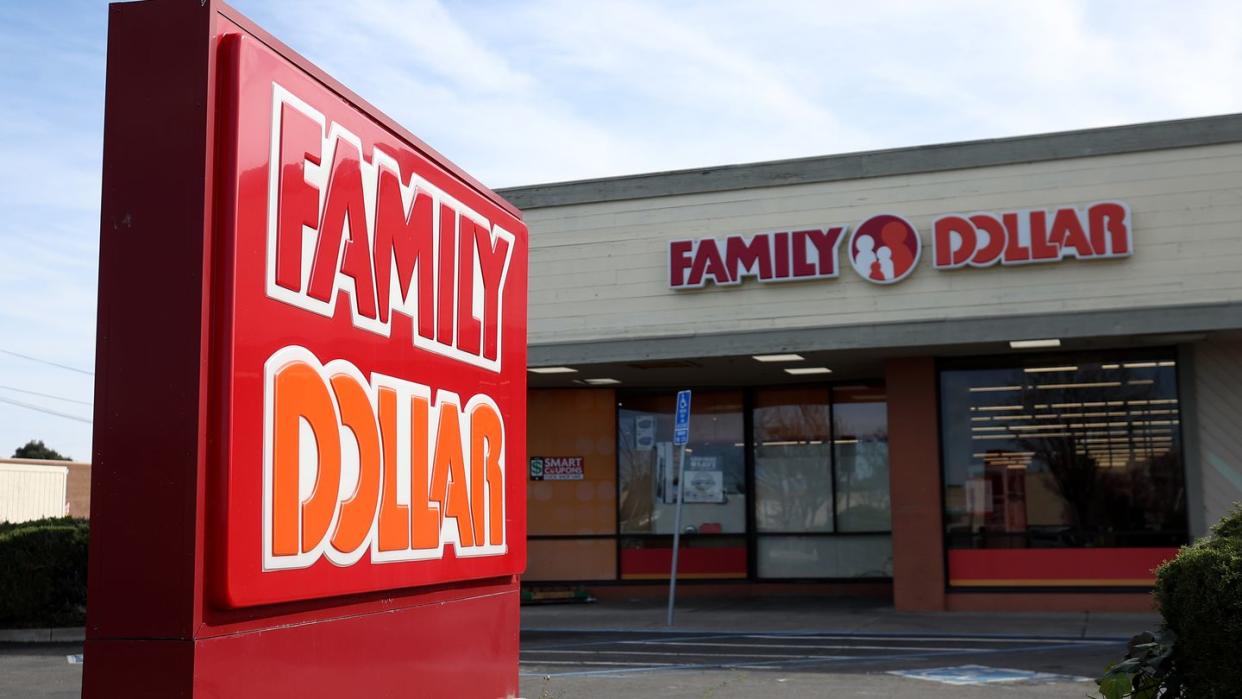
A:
(1200, 597)
(43, 572)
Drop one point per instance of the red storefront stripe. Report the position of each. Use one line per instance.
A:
(693, 563)
(1103, 567)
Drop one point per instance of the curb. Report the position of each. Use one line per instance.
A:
(45, 635)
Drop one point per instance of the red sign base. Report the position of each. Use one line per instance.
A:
(425, 651)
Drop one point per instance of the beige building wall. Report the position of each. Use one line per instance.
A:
(1218, 417)
(599, 271)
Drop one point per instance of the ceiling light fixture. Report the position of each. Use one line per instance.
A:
(808, 370)
(552, 370)
(1034, 344)
(777, 357)
(602, 382)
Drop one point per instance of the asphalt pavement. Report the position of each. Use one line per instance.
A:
(674, 664)
(812, 647)
(772, 648)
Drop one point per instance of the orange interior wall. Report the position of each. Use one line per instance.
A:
(573, 422)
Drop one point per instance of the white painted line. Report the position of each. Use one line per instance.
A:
(801, 645)
(930, 640)
(599, 662)
(710, 654)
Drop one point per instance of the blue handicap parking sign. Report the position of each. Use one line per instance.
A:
(681, 424)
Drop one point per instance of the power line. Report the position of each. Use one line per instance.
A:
(46, 395)
(41, 409)
(48, 362)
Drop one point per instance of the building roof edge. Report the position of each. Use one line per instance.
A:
(1110, 140)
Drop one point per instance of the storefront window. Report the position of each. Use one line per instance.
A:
(793, 468)
(860, 458)
(821, 471)
(818, 462)
(869, 556)
(1063, 452)
(715, 500)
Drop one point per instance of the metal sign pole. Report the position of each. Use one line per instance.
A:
(681, 435)
(672, 578)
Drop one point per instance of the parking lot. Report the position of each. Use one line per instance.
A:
(627, 663)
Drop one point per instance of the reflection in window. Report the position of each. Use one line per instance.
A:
(793, 474)
(715, 499)
(860, 454)
(1063, 453)
(821, 467)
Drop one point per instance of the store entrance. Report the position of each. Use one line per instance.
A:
(821, 483)
(781, 483)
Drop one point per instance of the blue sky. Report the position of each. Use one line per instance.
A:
(549, 90)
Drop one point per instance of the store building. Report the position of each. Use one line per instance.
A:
(988, 375)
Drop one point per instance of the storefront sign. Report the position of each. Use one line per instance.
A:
(314, 326)
(767, 257)
(374, 382)
(887, 248)
(556, 468)
(1023, 237)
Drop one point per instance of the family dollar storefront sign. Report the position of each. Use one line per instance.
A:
(886, 248)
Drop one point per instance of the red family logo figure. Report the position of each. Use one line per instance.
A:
(884, 249)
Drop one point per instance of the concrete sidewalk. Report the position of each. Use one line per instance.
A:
(825, 615)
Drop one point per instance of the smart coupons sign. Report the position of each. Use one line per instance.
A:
(886, 248)
(373, 343)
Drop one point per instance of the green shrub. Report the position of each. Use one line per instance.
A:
(1198, 651)
(6, 527)
(43, 572)
(1200, 596)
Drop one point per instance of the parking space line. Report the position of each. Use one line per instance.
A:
(613, 641)
(801, 645)
(859, 633)
(928, 639)
(665, 654)
(787, 664)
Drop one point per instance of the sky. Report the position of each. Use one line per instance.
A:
(554, 90)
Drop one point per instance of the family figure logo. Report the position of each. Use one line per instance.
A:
(885, 249)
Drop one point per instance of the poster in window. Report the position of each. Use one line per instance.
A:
(644, 431)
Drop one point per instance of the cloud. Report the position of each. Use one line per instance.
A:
(548, 90)
(553, 90)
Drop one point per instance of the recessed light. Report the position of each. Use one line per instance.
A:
(806, 370)
(778, 357)
(552, 370)
(601, 382)
(1032, 344)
